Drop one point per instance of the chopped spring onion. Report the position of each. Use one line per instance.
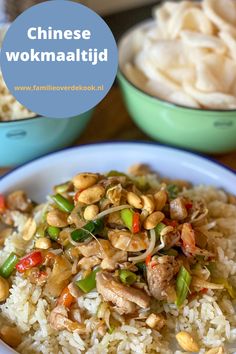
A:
(88, 283)
(131, 220)
(9, 265)
(127, 217)
(114, 173)
(127, 277)
(111, 210)
(141, 266)
(182, 285)
(231, 290)
(111, 330)
(171, 252)
(173, 191)
(212, 268)
(204, 284)
(62, 188)
(94, 227)
(53, 232)
(159, 228)
(63, 203)
(141, 182)
(40, 232)
(148, 251)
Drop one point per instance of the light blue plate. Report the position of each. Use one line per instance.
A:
(38, 177)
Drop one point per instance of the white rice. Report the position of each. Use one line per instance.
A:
(211, 317)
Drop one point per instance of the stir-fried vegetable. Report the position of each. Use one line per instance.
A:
(29, 261)
(53, 232)
(63, 203)
(127, 277)
(62, 188)
(188, 238)
(141, 266)
(204, 284)
(66, 299)
(92, 227)
(136, 223)
(159, 228)
(147, 251)
(170, 252)
(9, 265)
(88, 283)
(131, 220)
(148, 259)
(182, 285)
(2, 204)
(173, 191)
(127, 217)
(231, 290)
(114, 173)
(59, 277)
(40, 232)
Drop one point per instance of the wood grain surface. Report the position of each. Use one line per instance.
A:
(111, 121)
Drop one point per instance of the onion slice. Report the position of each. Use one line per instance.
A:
(111, 210)
(159, 247)
(202, 283)
(148, 251)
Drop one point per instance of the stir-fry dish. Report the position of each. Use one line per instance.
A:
(119, 263)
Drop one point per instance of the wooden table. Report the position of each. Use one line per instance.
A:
(111, 121)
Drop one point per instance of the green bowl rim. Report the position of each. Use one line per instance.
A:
(167, 103)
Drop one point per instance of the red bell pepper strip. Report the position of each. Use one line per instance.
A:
(29, 261)
(204, 291)
(2, 203)
(66, 299)
(148, 259)
(188, 206)
(168, 222)
(136, 223)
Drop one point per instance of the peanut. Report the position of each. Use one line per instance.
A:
(148, 203)
(91, 211)
(92, 194)
(43, 243)
(231, 199)
(153, 219)
(84, 180)
(187, 342)
(29, 229)
(134, 200)
(160, 199)
(57, 218)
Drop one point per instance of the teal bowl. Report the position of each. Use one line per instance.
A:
(23, 140)
(208, 131)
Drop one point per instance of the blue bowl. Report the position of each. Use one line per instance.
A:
(23, 140)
